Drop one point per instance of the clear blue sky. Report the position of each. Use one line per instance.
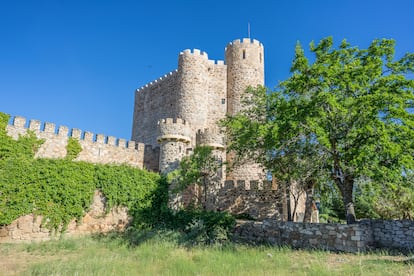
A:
(77, 63)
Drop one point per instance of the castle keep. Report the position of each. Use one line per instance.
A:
(181, 109)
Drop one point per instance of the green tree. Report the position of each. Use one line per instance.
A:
(264, 132)
(352, 105)
(198, 168)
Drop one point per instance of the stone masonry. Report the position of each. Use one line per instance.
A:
(97, 220)
(95, 148)
(199, 93)
(363, 236)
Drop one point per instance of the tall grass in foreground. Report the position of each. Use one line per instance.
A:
(163, 255)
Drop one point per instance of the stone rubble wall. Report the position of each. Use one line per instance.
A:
(29, 228)
(398, 234)
(95, 148)
(259, 200)
(366, 235)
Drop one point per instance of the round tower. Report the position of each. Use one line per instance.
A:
(193, 83)
(174, 137)
(210, 137)
(213, 138)
(245, 67)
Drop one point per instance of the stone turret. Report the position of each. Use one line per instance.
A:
(214, 138)
(210, 137)
(174, 137)
(193, 83)
(245, 67)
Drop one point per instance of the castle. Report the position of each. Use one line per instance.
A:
(181, 110)
(173, 115)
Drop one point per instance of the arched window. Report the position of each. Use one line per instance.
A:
(244, 54)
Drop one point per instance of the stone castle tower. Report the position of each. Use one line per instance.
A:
(181, 109)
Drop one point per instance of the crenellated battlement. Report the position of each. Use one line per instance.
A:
(219, 63)
(245, 41)
(19, 123)
(174, 129)
(195, 53)
(204, 56)
(157, 81)
(210, 137)
(249, 185)
(96, 148)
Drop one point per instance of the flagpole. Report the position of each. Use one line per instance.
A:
(248, 29)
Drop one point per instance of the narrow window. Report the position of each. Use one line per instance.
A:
(260, 57)
(244, 54)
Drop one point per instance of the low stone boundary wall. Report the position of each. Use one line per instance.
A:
(29, 228)
(366, 235)
(394, 234)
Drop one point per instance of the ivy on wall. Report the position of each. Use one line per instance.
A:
(73, 148)
(59, 189)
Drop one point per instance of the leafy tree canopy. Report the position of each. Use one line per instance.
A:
(350, 110)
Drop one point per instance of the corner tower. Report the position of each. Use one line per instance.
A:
(193, 83)
(245, 67)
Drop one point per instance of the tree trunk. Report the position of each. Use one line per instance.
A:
(288, 201)
(205, 192)
(346, 187)
(310, 184)
(284, 198)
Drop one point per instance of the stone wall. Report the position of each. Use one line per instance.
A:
(194, 92)
(366, 235)
(154, 101)
(259, 200)
(29, 227)
(398, 234)
(151, 158)
(95, 148)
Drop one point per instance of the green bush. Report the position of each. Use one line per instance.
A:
(200, 227)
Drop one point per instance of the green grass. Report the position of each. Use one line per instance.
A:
(163, 254)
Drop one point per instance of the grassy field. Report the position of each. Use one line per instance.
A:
(164, 255)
